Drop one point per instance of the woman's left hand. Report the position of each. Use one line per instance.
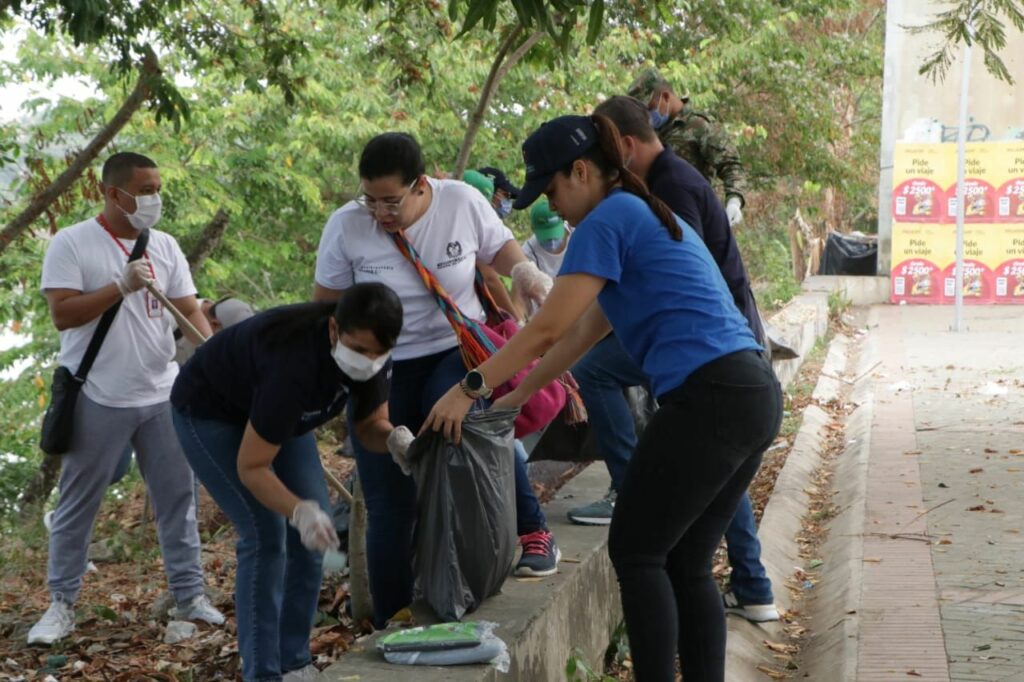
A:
(448, 413)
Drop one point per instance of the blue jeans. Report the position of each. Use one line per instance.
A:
(277, 584)
(602, 374)
(391, 496)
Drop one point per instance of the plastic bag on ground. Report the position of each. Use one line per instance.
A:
(446, 644)
(466, 516)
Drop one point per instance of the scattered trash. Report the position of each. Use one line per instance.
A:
(815, 563)
(975, 470)
(807, 585)
(178, 631)
(446, 644)
(334, 561)
(942, 485)
(983, 647)
(993, 389)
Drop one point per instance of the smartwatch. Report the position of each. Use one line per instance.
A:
(474, 386)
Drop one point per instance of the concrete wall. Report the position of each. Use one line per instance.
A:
(997, 109)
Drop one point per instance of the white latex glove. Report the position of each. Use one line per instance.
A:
(399, 441)
(734, 210)
(315, 527)
(531, 282)
(135, 276)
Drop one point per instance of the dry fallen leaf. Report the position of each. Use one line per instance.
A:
(774, 674)
(975, 470)
(990, 450)
(977, 507)
(913, 673)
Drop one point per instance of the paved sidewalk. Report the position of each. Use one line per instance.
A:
(947, 459)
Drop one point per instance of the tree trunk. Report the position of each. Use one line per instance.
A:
(499, 68)
(359, 572)
(42, 200)
(209, 239)
(39, 488)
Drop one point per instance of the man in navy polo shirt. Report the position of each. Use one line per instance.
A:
(607, 369)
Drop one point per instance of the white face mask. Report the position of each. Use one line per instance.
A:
(147, 210)
(357, 366)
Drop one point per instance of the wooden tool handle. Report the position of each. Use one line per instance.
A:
(182, 321)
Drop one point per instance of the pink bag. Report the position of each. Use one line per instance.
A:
(544, 405)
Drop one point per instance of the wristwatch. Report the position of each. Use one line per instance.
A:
(474, 386)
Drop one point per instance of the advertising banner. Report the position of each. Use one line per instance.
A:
(924, 212)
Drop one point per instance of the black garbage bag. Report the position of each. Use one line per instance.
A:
(849, 255)
(466, 515)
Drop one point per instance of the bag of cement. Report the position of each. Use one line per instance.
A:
(446, 644)
(466, 515)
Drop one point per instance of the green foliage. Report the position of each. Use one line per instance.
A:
(280, 157)
(972, 22)
(577, 670)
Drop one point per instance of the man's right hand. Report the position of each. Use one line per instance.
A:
(135, 276)
(316, 530)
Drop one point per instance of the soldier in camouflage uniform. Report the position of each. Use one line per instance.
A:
(693, 136)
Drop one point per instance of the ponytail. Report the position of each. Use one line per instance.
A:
(609, 146)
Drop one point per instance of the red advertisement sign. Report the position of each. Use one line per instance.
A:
(917, 281)
(1009, 282)
(978, 279)
(1010, 202)
(981, 200)
(918, 201)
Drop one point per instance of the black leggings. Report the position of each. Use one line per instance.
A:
(683, 484)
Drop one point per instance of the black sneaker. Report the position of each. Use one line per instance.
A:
(540, 555)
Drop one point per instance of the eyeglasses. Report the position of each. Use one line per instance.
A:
(388, 206)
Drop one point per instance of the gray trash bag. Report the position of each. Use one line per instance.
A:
(466, 513)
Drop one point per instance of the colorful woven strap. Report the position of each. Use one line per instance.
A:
(474, 345)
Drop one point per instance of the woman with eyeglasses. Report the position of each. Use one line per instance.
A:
(634, 267)
(452, 228)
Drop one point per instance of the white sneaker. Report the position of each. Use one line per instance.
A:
(755, 613)
(57, 623)
(198, 608)
(302, 674)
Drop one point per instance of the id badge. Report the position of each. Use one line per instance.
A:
(154, 309)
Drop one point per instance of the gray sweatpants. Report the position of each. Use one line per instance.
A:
(97, 445)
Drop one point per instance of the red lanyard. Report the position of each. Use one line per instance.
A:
(106, 226)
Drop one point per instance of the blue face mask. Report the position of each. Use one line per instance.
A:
(504, 208)
(551, 245)
(658, 119)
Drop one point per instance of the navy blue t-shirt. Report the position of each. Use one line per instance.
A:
(284, 390)
(691, 197)
(665, 299)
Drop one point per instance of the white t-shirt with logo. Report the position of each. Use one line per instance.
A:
(459, 228)
(134, 367)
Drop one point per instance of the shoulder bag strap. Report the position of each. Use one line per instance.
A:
(141, 242)
(474, 344)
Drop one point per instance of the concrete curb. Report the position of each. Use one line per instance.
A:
(543, 621)
(831, 652)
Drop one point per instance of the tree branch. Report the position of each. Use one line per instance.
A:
(148, 69)
(208, 240)
(499, 68)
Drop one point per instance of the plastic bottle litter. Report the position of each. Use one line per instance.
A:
(178, 631)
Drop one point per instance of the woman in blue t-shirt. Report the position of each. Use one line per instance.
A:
(633, 267)
(244, 408)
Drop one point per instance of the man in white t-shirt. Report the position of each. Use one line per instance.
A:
(452, 227)
(125, 398)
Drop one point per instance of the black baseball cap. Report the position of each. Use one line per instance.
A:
(551, 148)
(501, 181)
